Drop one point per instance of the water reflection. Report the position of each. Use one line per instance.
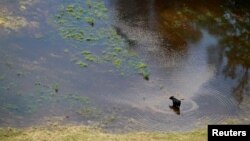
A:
(181, 22)
(192, 52)
(175, 109)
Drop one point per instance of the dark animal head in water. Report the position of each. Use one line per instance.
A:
(176, 102)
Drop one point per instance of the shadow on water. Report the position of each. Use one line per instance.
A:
(195, 51)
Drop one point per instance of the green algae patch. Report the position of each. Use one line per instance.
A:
(81, 64)
(86, 25)
(142, 69)
(89, 20)
(78, 133)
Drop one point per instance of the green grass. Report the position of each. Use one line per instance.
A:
(83, 133)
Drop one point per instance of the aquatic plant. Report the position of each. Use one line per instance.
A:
(145, 74)
(114, 48)
(70, 8)
(81, 64)
(86, 52)
(55, 87)
(89, 20)
(117, 63)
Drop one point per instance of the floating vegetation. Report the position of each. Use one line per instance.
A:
(86, 25)
(117, 63)
(55, 87)
(145, 74)
(70, 8)
(72, 34)
(89, 20)
(81, 64)
(142, 70)
(89, 56)
(86, 53)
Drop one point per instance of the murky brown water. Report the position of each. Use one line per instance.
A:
(195, 51)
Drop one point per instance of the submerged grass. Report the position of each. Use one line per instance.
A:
(87, 22)
(81, 64)
(79, 133)
(20, 103)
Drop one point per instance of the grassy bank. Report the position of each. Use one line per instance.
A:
(82, 133)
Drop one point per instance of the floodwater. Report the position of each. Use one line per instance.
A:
(194, 51)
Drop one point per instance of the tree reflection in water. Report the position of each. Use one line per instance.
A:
(181, 22)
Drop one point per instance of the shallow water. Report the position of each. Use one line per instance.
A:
(196, 52)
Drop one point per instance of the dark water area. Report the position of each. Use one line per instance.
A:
(195, 51)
